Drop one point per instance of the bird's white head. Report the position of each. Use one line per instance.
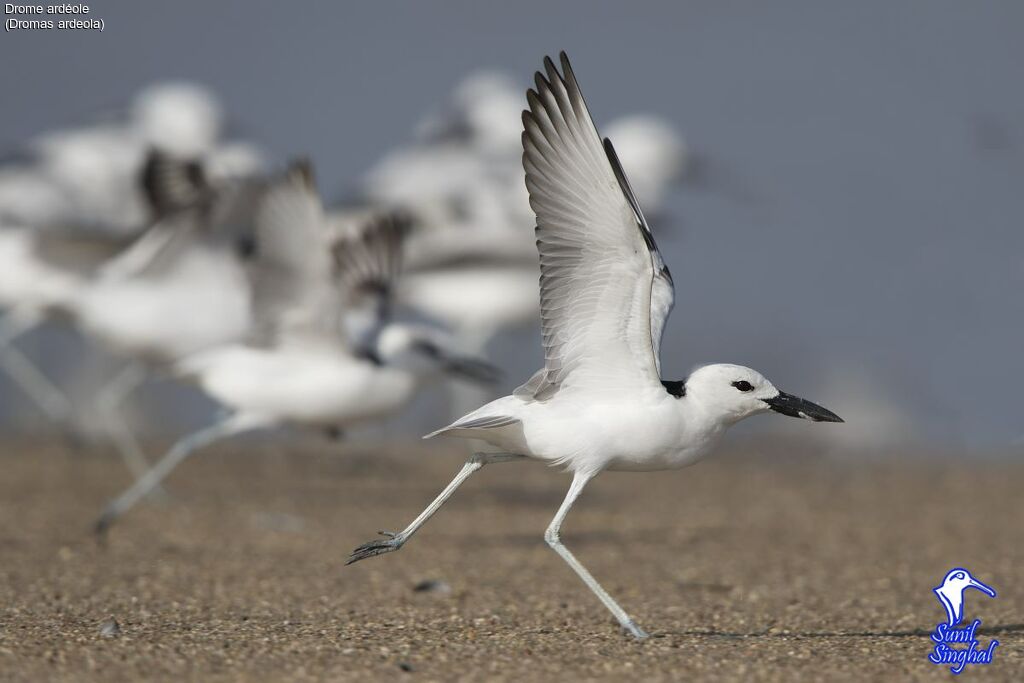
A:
(653, 153)
(733, 392)
(178, 118)
(484, 110)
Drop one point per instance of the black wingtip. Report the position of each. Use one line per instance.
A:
(541, 83)
(533, 99)
(391, 223)
(368, 260)
(301, 169)
(171, 184)
(554, 75)
(634, 203)
(563, 57)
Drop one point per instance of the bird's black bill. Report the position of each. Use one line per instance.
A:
(794, 406)
(472, 369)
(466, 367)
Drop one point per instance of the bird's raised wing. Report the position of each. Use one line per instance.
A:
(605, 291)
(170, 184)
(178, 197)
(367, 263)
(292, 289)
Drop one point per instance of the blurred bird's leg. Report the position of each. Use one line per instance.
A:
(392, 541)
(553, 538)
(36, 385)
(16, 322)
(108, 408)
(234, 424)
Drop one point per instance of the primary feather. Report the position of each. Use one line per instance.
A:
(604, 290)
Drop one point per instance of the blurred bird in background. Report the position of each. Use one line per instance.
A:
(93, 225)
(167, 246)
(471, 263)
(325, 351)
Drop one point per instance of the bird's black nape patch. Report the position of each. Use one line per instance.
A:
(677, 389)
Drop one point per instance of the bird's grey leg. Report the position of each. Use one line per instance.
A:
(554, 540)
(394, 541)
(184, 447)
(36, 385)
(16, 321)
(108, 408)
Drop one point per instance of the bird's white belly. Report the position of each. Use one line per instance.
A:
(203, 303)
(613, 433)
(304, 386)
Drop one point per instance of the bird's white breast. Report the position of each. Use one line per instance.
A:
(313, 385)
(203, 301)
(629, 431)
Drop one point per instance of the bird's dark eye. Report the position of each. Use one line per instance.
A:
(743, 385)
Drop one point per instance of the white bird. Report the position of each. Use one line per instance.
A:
(471, 262)
(178, 287)
(86, 177)
(182, 286)
(75, 202)
(44, 271)
(327, 355)
(475, 282)
(599, 403)
(483, 110)
(39, 273)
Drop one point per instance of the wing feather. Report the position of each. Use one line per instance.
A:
(367, 264)
(292, 289)
(605, 292)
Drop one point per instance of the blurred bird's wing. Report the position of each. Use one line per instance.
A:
(170, 184)
(178, 198)
(185, 207)
(154, 248)
(292, 289)
(604, 288)
(456, 248)
(367, 263)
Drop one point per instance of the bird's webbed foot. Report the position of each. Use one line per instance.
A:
(389, 543)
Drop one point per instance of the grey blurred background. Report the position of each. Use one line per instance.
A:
(853, 227)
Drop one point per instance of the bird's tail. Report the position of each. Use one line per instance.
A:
(465, 426)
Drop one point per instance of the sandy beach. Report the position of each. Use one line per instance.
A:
(771, 565)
